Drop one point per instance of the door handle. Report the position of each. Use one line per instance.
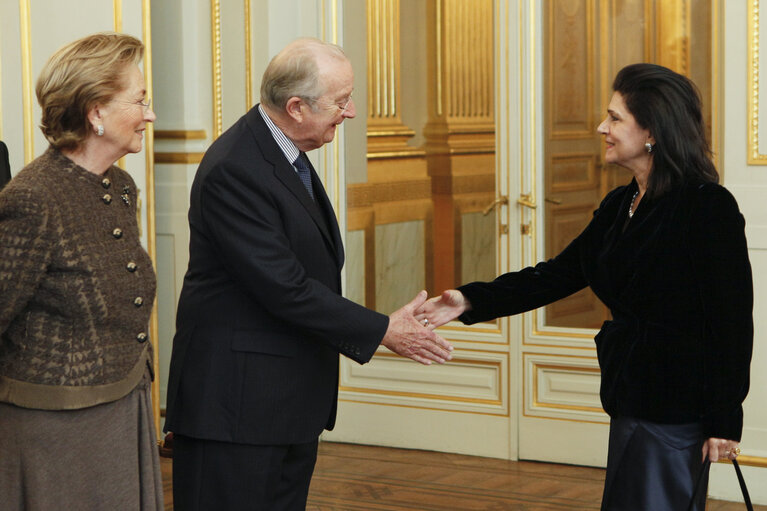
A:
(500, 200)
(553, 201)
(527, 201)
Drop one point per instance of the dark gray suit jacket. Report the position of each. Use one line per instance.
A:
(261, 319)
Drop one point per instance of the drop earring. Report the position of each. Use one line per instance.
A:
(648, 147)
(100, 130)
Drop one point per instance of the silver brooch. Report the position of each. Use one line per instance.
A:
(126, 195)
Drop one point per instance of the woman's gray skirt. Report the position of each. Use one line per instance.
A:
(653, 466)
(99, 458)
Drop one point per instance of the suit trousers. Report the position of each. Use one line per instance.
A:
(210, 475)
(653, 466)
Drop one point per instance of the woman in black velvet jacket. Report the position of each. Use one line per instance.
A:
(667, 254)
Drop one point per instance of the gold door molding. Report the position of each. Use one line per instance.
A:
(755, 155)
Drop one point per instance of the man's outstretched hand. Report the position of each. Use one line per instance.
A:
(409, 338)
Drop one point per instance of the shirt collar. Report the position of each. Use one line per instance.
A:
(288, 148)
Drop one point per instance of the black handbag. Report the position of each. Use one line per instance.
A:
(704, 469)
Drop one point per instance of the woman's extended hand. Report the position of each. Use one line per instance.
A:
(439, 310)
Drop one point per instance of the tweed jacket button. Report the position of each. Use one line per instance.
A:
(107, 199)
(131, 267)
(106, 183)
(138, 301)
(117, 233)
(142, 337)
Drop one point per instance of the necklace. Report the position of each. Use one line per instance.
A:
(631, 206)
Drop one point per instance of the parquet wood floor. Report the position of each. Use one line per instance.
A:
(365, 478)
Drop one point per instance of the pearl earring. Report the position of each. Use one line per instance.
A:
(100, 130)
(648, 147)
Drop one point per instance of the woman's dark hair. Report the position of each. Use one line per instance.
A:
(669, 106)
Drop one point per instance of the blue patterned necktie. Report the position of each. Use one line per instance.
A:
(304, 173)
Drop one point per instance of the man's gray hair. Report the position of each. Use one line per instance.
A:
(294, 72)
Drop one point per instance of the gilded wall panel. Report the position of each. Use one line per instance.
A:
(570, 79)
(573, 172)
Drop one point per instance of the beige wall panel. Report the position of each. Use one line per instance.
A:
(181, 51)
(478, 238)
(573, 172)
(563, 387)
(400, 260)
(233, 69)
(172, 183)
(11, 106)
(355, 266)
(54, 24)
(472, 382)
(420, 428)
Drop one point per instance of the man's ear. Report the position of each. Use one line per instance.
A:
(293, 108)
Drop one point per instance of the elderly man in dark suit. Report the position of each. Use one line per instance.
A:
(261, 320)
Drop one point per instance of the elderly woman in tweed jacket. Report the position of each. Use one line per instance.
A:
(76, 426)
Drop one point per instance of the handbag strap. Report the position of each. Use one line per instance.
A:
(746, 497)
(741, 481)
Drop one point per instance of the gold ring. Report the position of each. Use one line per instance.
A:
(736, 451)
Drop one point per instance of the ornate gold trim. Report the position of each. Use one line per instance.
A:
(754, 156)
(424, 407)
(331, 153)
(248, 58)
(26, 79)
(178, 157)
(215, 33)
(117, 9)
(439, 56)
(117, 15)
(151, 220)
(415, 152)
(180, 134)
(716, 81)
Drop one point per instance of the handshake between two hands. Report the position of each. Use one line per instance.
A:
(411, 328)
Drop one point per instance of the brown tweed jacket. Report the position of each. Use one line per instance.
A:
(76, 287)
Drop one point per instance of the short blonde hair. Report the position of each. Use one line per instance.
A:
(79, 76)
(294, 71)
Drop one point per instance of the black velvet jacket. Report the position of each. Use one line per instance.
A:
(677, 280)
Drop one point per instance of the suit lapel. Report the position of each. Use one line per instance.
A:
(323, 203)
(286, 174)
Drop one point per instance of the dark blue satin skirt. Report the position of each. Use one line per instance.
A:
(653, 466)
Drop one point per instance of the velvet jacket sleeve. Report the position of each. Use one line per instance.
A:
(720, 261)
(534, 286)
